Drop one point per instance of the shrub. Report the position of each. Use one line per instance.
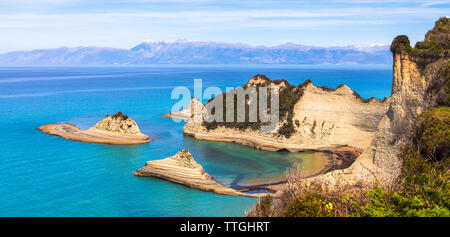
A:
(312, 205)
(265, 204)
(433, 130)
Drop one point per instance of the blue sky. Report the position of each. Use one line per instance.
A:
(32, 24)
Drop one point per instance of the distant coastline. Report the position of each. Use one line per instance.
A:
(200, 52)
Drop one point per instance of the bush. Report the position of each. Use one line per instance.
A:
(312, 205)
(436, 43)
(433, 130)
(264, 205)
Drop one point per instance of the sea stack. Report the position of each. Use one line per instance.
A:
(183, 169)
(113, 129)
(195, 107)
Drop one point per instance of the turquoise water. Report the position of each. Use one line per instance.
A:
(43, 175)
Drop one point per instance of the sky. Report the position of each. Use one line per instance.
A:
(40, 24)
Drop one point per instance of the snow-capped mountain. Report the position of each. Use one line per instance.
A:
(202, 52)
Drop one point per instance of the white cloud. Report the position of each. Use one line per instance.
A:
(63, 22)
(322, 16)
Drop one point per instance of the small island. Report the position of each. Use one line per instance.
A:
(116, 129)
(183, 169)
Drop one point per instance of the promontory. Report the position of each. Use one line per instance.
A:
(311, 118)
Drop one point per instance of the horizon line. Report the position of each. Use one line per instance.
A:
(362, 45)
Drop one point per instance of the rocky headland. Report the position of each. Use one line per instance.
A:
(113, 129)
(311, 118)
(183, 169)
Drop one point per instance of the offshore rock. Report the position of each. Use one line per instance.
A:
(183, 169)
(116, 129)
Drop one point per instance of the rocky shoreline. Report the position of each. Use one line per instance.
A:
(117, 129)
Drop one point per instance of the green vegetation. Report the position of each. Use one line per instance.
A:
(239, 125)
(288, 97)
(437, 40)
(311, 205)
(424, 183)
(400, 43)
(434, 130)
(265, 204)
(436, 43)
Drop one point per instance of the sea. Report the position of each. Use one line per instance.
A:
(48, 176)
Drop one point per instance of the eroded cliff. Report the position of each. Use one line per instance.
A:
(420, 82)
(310, 117)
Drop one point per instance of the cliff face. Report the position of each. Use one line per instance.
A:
(336, 117)
(420, 81)
(311, 117)
(117, 123)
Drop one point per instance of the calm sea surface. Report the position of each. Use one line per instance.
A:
(43, 175)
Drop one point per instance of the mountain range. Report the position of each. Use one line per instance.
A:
(201, 52)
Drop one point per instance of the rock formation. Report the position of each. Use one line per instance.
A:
(183, 169)
(115, 129)
(311, 118)
(186, 114)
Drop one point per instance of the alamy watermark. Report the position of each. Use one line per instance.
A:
(251, 101)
